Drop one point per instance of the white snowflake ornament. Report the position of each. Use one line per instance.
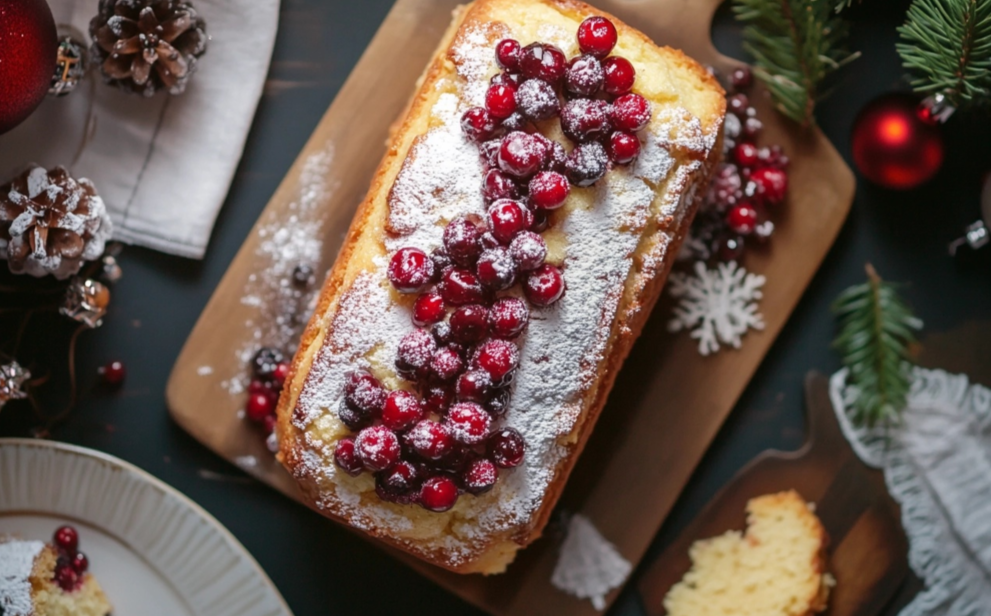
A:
(589, 566)
(718, 305)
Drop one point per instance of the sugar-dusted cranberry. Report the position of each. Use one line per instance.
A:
(505, 79)
(587, 163)
(772, 184)
(479, 476)
(630, 112)
(469, 324)
(354, 419)
(410, 269)
(430, 440)
(741, 78)
(521, 154)
(549, 189)
(402, 409)
(498, 185)
(742, 219)
(66, 539)
(403, 477)
(428, 309)
(745, 154)
(438, 493)
(363, 392)
(478, 124)
(65, 576)
(537, 100)
(515, 121)
(544, 285)
(619, 75)
(506, 448)
(541, 220)
(259, 406)
(474, 386)
(346, 457)
(441, 332)
(414, 353)
(469, 423)
(597, 36)
(80, 563)
(773, 156)
(496, 269)
(623, 147)
(500, 101)
(584, 76)
(460, 286)
(528, 250)
(737, 104)
(499, 358)
(461, 241)
(584, 119)
(556, 158)
(437, 398)
(378, 448)
(508, 317)
(303, 276)
(752, 128)
(265, 361)
(508, 54)
(507, 218)
(489, 152)
(446, 364)
(542, 61)
(281, 373)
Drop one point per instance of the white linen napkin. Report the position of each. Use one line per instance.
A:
(163, 165)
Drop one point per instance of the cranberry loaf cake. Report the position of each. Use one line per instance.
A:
(515, 238)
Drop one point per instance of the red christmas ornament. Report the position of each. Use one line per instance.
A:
(28, 49)
(892, 146)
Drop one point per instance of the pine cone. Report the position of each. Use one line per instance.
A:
(50, 223)
(146, 45)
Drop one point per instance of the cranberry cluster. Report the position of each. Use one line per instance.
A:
(429, 447)
(71, 564)
(269, 372)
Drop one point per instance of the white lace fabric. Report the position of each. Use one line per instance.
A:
(937, 465)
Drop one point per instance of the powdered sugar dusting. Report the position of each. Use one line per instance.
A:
(16, 563)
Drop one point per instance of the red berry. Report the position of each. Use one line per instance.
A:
(745, 154)
(498, 402)
(66, 539)
(489, 152)
(363, 392)
(438, 493)
(460, 286)
(269, 423)
(508, 317)
(517, 121)
(752, 128)
(620, 75)
(410, 269)
(474, 386)
(113, 373)
(66, 577)
(414, 353)
(346, 457)
(469, 423)
(544, 285)
(496, 269)
(557, 158)
(521, 154)
(586, 164)
(469, 324)
(741, 78)
(542, 61)
(505, 79)
(257, 386)
(537, 100)
(506, 448)
(378, 448)
(528, 250)
(498, 185)
(737, 104)
(480, 475)
(259, 406)
(281, 373)
(508, 54)
(402, 409)
(584, 76)
(742, 219)
(549, 189)
(623, 147)
(437, 399)
(584, 119)
(80, 563)
(428, 309)
(396, 484)
(499, 358)
(478, 124)
(446, 364)
(430, 440)
(500, 101)
(354, 420)
(461, 241)
(507, 218)
(772, 184)
(265, 361)
(597, 36)
(630, 112)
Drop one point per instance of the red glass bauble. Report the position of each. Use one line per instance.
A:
(28, 47)
(892, 146)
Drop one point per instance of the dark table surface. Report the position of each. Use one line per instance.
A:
(321, 569)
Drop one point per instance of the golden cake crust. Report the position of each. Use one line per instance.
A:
(691, 103)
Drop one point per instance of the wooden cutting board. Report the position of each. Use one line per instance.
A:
(868, 553)
(668, 402)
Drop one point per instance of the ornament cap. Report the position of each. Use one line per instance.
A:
(935, 109)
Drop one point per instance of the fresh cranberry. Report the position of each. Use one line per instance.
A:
(730, 247)
(414, 353)
(507, 218)
(363, 392)
(437, 399)
(113, 373)
(489, 152)
(474, 386)
(587, 163)
(265, 361)
(66, 539)
(745, 154)
(355, 420)
(66, 577)
(498, 185)
(557, 158)
(430, 440)
(549, 189)
(468, 422)
(506, 448)
(630, 112)
(521, 154)
(752, 128)
(410, 269)
(584, 76)
(461, 241)
(500, 101)
(259, 406)
(544, 285)
(511, 80)
(446, 364)
(741, 78)
(378, 448)
(773, 156)
(402, 409)
(737, 104)
(508, 317)
(537, 100)
(528, 250)
(478, 124)
(542, 61)
(346, 457)
(80, 563)
(619, 75)
(516, 121)
(438, 493)
(469, 324)
(258, 386)
(460, 287)
(281, 373)
(597, 36)
(480, 475)
(401, 479)
(772, 184)
(488, 241)
(496, 269)
(508, 54)
(441, 332)
(742, 219)
(584, 119)
(499, 358)
(623, 147)
(428, 309)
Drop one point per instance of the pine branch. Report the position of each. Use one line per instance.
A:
(876, 331)
(795, 44)
(946, 45)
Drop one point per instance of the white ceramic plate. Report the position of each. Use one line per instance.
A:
(155, 552)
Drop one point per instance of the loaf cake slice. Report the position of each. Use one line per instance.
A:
(614, 241)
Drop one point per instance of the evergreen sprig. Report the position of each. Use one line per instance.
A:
(795, 44)
(946, 45)
(877, 330)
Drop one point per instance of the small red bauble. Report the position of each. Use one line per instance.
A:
(28, 48)
(892, 147)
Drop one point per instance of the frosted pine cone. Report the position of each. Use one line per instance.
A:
(50, 223)
(147, 45)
